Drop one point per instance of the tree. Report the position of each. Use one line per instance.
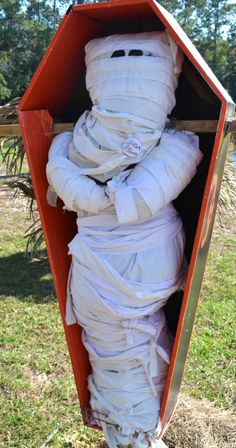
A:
(27, 26)
(9, 14)
(26, 29)
(211, 24)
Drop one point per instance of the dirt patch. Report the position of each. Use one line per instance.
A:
(37, 382)
(14, 212)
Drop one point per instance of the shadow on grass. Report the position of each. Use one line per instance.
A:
(26, 279)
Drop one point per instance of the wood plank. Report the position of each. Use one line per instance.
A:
(62, 127)
(7, 130)
(198, 126)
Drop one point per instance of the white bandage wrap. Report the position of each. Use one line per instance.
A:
(117, 295)
(131, 95)
(127, 257)
(158, 179)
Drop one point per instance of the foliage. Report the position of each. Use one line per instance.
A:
(211, 24)
(27, 27)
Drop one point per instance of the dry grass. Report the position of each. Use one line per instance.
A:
(198, 424)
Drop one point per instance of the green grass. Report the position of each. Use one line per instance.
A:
(211, 366)
(37, 390)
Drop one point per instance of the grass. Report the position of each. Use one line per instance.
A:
(37, 390)
(38, 395)
(212, 357)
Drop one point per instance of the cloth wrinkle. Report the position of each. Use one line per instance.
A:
(127, 256)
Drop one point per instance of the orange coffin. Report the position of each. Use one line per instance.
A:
(57, 92)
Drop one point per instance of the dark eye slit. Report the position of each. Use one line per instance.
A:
(118, 54)
(135, 53)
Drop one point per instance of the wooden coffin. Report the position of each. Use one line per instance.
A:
(57, 93)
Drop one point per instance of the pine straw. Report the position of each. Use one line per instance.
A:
(198, 424)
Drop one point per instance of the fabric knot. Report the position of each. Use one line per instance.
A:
(131, 147)
(140, 326)
(129, 323)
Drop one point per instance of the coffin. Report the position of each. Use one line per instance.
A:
(57, 93)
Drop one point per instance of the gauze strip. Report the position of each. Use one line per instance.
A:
(159, 178)
(124, 326)
(131, 97)
(127, 257)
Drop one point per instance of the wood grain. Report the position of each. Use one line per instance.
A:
(198, 126)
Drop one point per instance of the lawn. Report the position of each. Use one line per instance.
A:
(38, 396)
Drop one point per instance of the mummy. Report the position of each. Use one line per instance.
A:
(120, 170)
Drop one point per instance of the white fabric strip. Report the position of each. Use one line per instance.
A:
(159, 178)
(132, 97)
(102, 234)
(128, 254)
